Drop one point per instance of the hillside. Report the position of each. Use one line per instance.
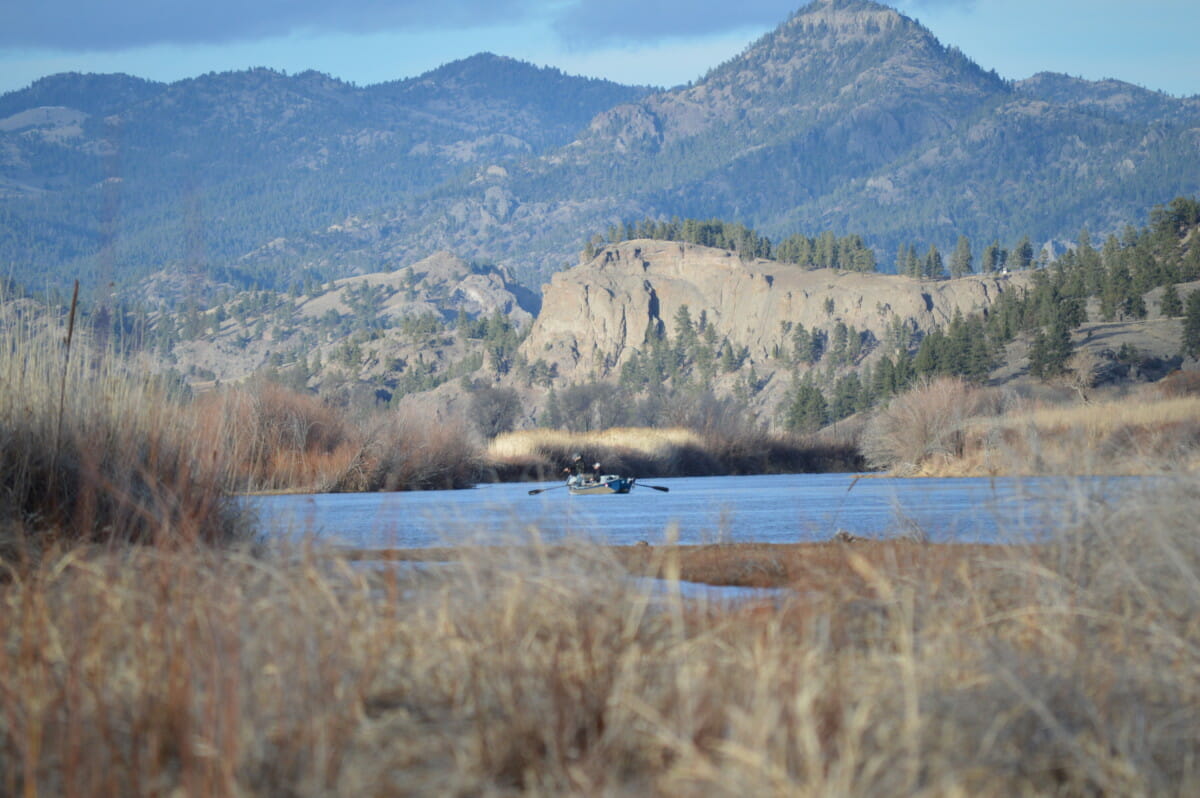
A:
(109, 178)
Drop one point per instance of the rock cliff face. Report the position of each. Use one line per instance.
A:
(595, 315)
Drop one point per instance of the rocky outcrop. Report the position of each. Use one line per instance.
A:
(441, 285)
(597, 314)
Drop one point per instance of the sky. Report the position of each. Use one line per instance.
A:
(647, 42)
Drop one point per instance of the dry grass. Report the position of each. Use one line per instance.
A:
(651, 452)
(1145, 433)
(91, 452)
(948, 428)
(896, 669)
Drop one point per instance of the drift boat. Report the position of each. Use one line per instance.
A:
(609, 483)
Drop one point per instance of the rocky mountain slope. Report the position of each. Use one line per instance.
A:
(596, 315)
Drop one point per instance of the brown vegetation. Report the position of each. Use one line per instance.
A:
(278, 439)
(673, 452)
(950, 428)
(892, 668)
(89, 452)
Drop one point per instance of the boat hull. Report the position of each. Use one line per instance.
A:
(607, 485)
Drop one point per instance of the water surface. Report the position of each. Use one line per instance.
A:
(773, 509)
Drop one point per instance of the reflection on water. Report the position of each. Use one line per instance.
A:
(772, 509)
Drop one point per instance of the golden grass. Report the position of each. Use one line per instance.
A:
(893, 669)
(1102, 418)
(947, 428)
(652, 442)
(648, 451)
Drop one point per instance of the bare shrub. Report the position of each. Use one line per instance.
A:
(924, 423)
(278, 438)
(402, 453)
(494, 410)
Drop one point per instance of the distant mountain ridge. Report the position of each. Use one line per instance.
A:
(848, 117)
(199, 172)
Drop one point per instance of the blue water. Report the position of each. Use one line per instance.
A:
(771, 509)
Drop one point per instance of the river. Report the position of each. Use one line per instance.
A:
(772, 509)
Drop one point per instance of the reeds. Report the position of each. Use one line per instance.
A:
(1067, 668)
(676, 451)
(90, 452)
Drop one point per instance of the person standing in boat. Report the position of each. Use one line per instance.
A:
(577, 469)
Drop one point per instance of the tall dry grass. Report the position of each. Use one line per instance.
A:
(950, 428)
(669, 452)
(1070, 668)
(90, 451)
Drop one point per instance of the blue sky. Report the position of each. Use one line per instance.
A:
(658, 42)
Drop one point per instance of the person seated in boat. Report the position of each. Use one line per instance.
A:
(577, 471)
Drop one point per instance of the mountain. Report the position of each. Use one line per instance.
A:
(848, 117)
(111, 177)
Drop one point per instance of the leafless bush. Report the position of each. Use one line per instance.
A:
(278, 438)
(402, 453)
(926, 422)
(494, 410)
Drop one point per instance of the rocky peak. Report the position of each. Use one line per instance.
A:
(830, 55)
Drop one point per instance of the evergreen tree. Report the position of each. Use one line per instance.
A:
(961, 261)
(993, 258)
(1171, 306)
(1050, 351)
(1023, 253)
(685, 332)
(847, 396)
(1191, 325)
(802, 346)
(933, 268)
(808, 411)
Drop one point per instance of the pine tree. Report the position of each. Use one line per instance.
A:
(1050, 351)
(847, 395)
(1191, 325)
(933, 268)
(961, 261)
(1171, 306)
(1023, 253)
(993, 258)
(808, 410)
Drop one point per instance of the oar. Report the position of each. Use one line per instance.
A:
(654, 487)
(536, 491)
